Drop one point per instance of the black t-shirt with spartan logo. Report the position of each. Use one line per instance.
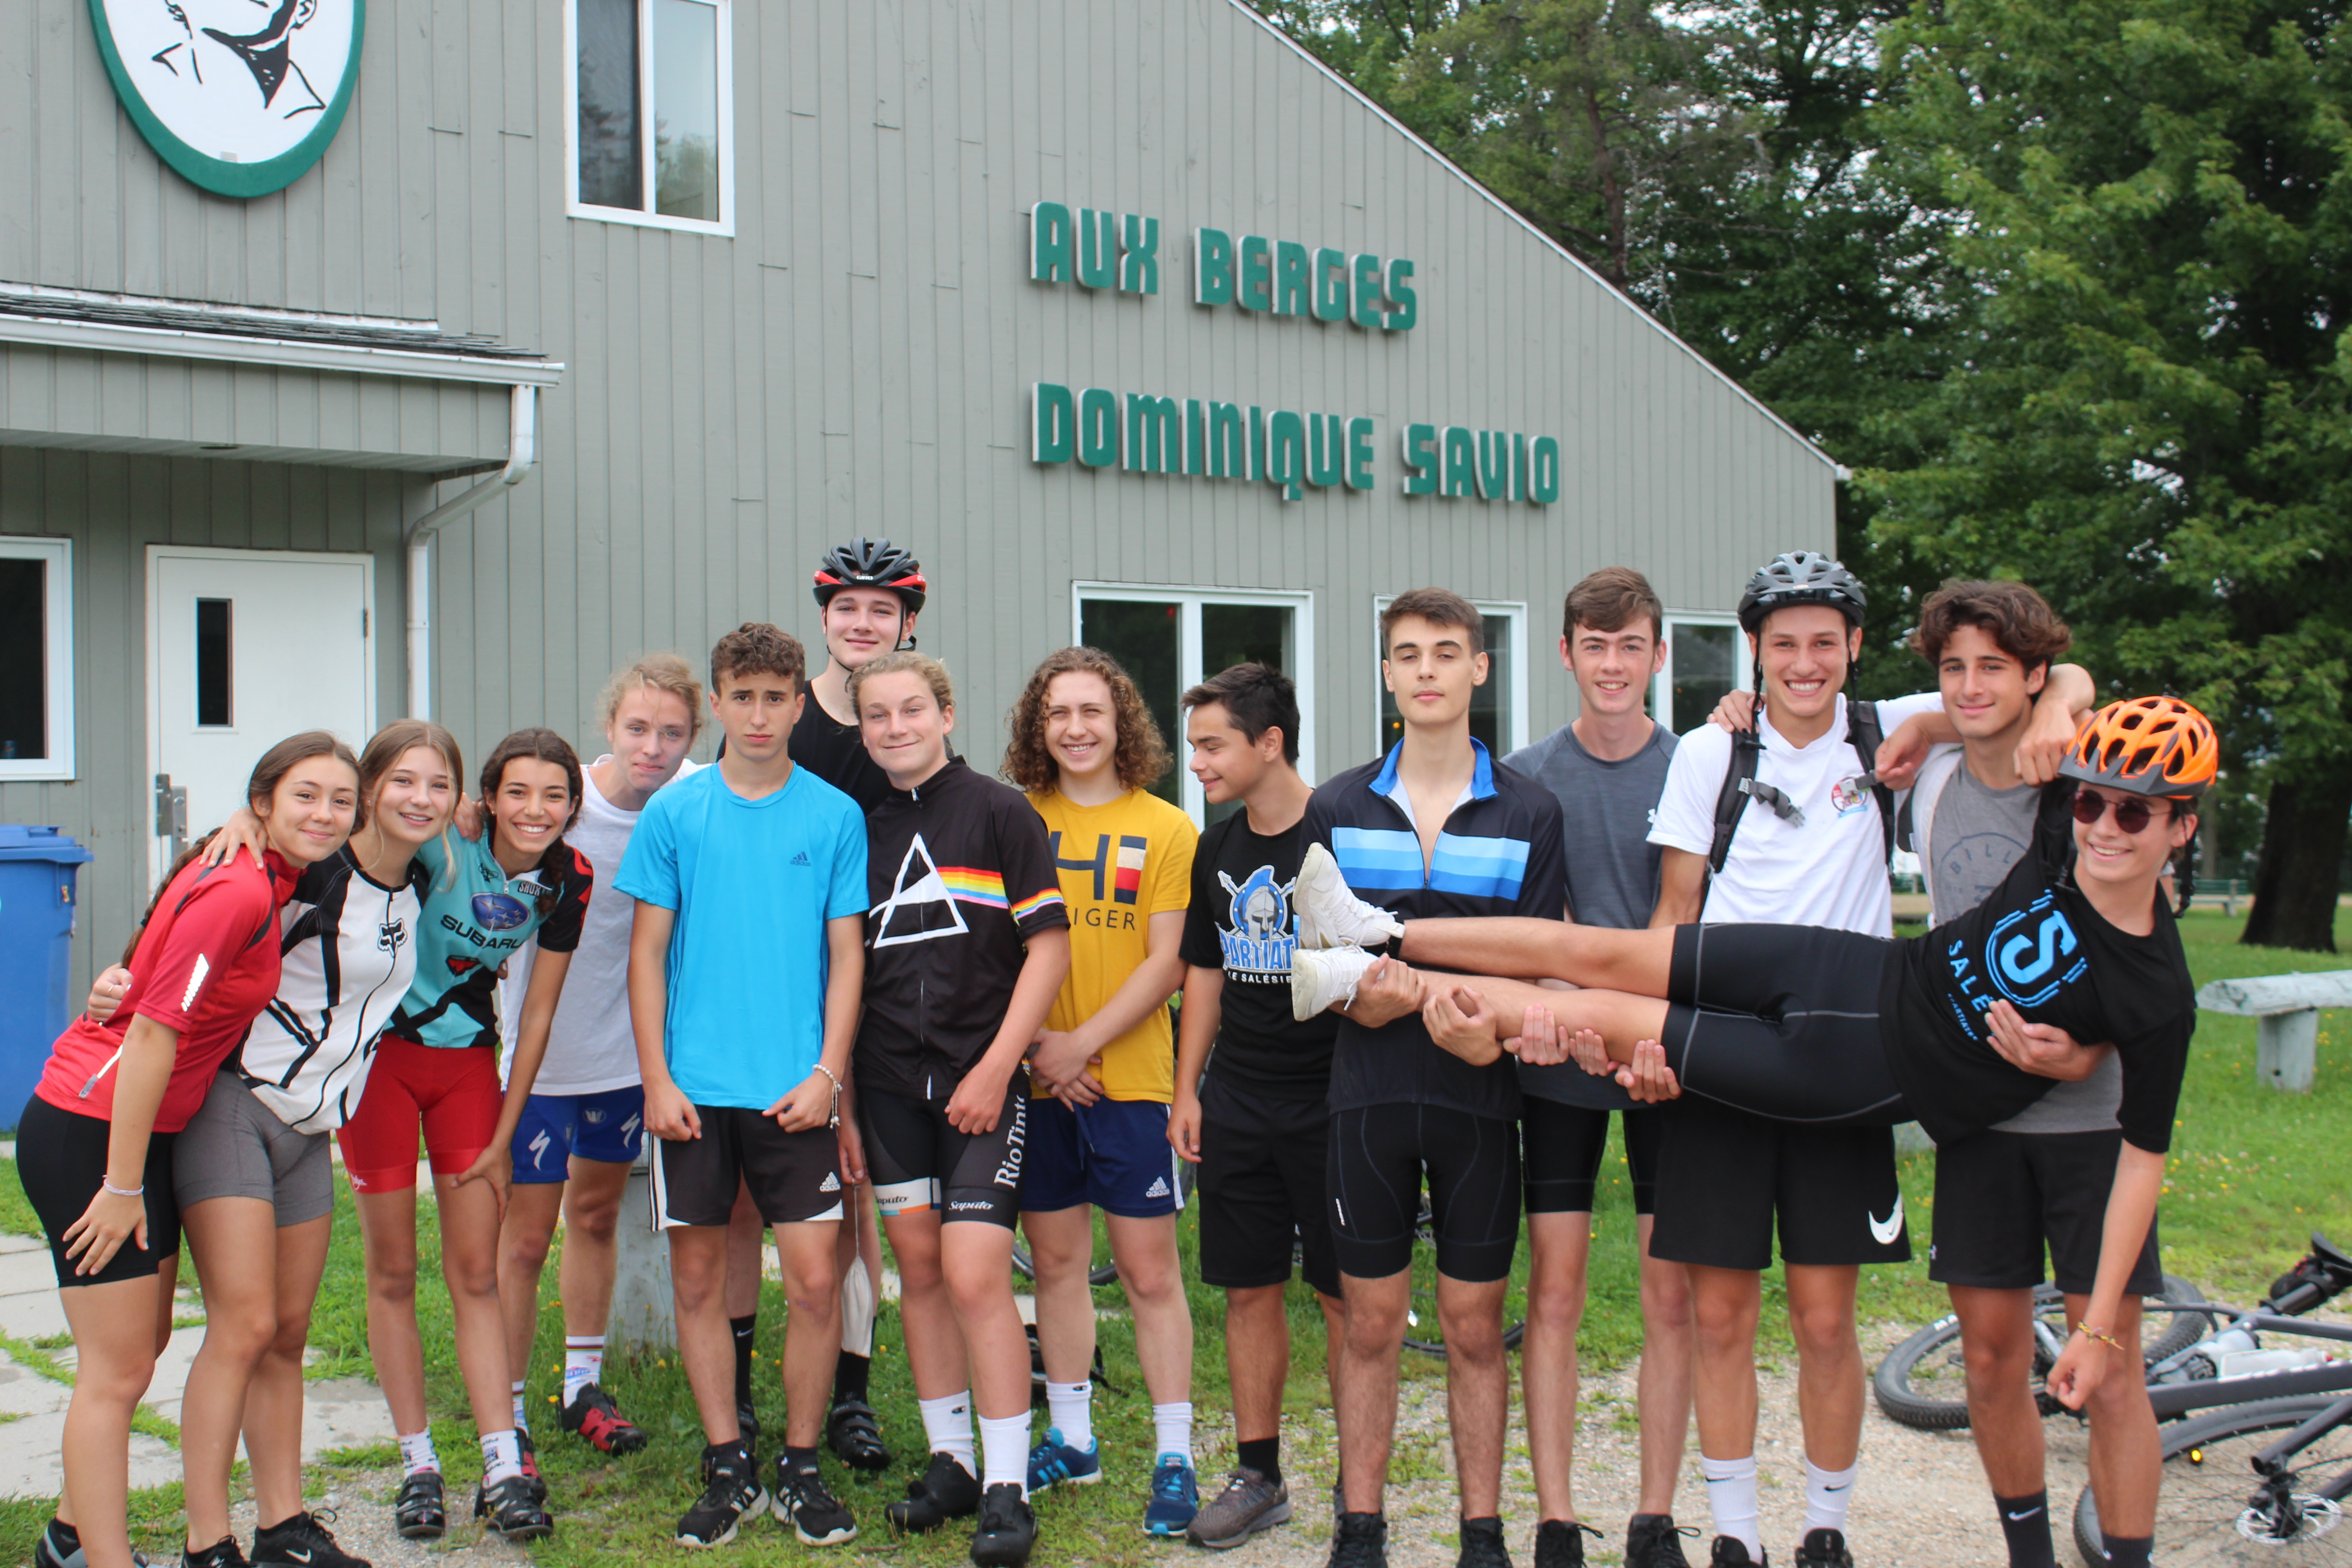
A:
(957, 876)
(1241, 920)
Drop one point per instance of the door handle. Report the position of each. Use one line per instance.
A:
(172, 813)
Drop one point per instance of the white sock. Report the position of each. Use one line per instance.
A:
(501, 1457)
(1005, 1452)
(417, 1452)
(1731, 1495)
(1171, 1429)
(1071, 1408)
(583, 1364)
(947, 1427)
(1827, 1494)
(522, 1419)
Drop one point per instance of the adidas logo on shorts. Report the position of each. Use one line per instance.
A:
(1158, 1189)
(832, 1183)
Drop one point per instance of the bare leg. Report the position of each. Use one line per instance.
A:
(1725, 1305)
(1997, 1343)
(1478, 1388)
(273, 1400)
(2126, 1456)
(936, 1356)
(1634, 960)
(813, 1328)
(1663, 1385)
(388, 1238)
(1368, 1374)
(700, 1275)
(469, 1266)
(1062, 1250)
(1144, 1251)
(1621, 1019)
(977, 1263)
(1257, 1360)
(523, 1241)
(1830, 1375)
(1561, 1244)
(234, 1243)
(592, 1220)
(114, 1343)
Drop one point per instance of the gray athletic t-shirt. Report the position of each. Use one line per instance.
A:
(1978, 834)
(1612, 868)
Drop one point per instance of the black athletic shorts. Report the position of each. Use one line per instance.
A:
(1725, 1176)
(61, 1160)
(916, 1160)
(794, 1176)
(1562, 1146)
(1261, 1187)
(1379, 1153)
(1782, 1020)
(2000, 1197)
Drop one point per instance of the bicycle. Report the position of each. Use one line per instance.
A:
(1106, 1272)
(1422, 1331)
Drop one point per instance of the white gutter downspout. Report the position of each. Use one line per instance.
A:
(522, 452)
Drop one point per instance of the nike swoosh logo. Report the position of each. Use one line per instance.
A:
(1884, 1231)
(298, 1556)
(2029, 1514)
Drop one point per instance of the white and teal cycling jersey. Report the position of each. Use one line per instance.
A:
(475, 916)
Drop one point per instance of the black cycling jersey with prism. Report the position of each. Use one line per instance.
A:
(959, 877)
(2037, 943)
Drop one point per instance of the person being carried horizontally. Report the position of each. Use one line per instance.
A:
(1830, 1028)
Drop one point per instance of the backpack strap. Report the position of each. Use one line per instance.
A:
(1865, 734)
(1747, 752)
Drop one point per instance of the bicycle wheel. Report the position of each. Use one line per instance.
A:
(1104, 1270)
(1922, 1381)
(1422, 1331)
(2213, 1508)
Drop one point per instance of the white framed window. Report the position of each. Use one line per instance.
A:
(649, 112)
(36, 649)
(1498, 709)
(1171, 639)
(1706, 656)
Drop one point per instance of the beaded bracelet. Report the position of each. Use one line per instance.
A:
(108, 1182)
(835, 1120)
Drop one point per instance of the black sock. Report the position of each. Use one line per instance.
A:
(744, 1328)
(1263, 1455)
(2025, 1524)
(798, 1460)
(849, 1376)
(2129, 1550)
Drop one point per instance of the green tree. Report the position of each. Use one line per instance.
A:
(2148, 412)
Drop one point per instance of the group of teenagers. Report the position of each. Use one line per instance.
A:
(842, 977)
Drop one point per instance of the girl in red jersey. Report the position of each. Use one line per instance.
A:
(94, 1145)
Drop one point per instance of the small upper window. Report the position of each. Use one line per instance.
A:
(653, 113)
(36, 734)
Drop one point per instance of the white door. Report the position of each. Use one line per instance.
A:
(246, 647)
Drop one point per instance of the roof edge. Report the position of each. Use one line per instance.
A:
(1521, 219)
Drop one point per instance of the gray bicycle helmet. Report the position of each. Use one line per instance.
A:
(1800, 578)
(871, 564)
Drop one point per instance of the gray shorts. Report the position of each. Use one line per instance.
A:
(235, 1147)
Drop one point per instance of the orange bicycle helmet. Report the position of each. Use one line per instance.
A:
(2149, 745)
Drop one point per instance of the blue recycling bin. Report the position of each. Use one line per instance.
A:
(37, 868)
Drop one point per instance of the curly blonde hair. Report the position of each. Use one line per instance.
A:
(1140, 754)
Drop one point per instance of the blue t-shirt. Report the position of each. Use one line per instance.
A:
(754, 882)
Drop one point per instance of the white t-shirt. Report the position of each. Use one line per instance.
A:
(591, 1046)
(1829, 873)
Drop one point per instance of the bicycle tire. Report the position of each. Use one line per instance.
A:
(1102, 1274)
(1512, 1338)
(1909, 1399)
(2201, 1498)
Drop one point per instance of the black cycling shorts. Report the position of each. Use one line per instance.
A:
(1379, 1153)
(1562, 1146)
(916, 1160)
(2000, 1197)
(1782, 1020)
(61, 1160)
(1264, 1170)
(1726, 1176)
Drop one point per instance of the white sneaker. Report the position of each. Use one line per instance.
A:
(1329, 915)
(1320, 978)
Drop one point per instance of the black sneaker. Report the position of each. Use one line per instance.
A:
(945, 1490)
(855, 1433)
(816, 1516)
(1824, 1548)
(1482, 1544)
(1652, 1540)
(418, 1512)
(1360, 1541)
(511, 1511)
(592, 1415)
(730, 1489)
(301, 1542)
(221, 1554)
(1730, 1551)
(1008, 1528)
(1559, 1543)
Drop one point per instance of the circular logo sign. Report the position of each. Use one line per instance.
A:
(239, 96)
(501, 911)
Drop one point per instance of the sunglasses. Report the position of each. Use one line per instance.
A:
(2131, 815)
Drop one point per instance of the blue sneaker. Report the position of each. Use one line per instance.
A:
(1054, 1463)
(1175, 1496)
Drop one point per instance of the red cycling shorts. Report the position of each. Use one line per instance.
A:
(450, 1095)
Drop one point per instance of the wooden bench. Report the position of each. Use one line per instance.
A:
(2285, 1009)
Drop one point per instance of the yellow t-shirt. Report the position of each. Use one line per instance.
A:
(1120, 864)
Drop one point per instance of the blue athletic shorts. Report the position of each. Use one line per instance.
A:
(1113, 1154)
(608, 1127)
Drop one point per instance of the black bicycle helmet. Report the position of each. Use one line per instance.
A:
(1800, 578)
(866, 563)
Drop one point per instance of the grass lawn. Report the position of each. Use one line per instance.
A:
(2253, 1172)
